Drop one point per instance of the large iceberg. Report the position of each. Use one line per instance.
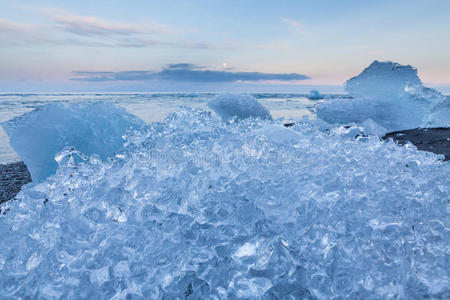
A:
(194, 208)
(239, 106)
(390, 94)
(92, 128)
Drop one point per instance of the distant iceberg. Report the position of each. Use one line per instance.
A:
(391, 95)
(314, 95)
(240, 106)
(91, 128)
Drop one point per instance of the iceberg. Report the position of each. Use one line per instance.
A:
(193, 207)
(391, 95)
(241, 106)
(91, 128)
(372, 127)
(314, 95)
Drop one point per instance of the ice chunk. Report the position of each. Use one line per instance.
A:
(383, 80)
(279, 134)
(194, 208)
(92, 128)
(314, 95)
(391, 95)
(240, 106)
(371, 127)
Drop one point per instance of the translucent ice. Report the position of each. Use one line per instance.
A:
(371, 127)
(194, 208)
(240, 106)
(392, 96)
(92, 128)
(383, 80)
(279, 134)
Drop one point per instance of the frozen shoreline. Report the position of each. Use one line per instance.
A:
(437, 140)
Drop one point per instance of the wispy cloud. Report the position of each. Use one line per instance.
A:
(296, 25)
(185, 66)
(71, 29)
(8, 26)
(92, 25)
(17, 34)
(186, 72)
(88, 35)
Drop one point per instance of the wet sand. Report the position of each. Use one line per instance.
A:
(12, 177)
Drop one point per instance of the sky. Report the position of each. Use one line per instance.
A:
(247, 46)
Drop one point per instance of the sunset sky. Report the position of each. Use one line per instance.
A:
(149, 46)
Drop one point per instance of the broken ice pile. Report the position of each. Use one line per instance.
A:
(198, 208)
(390, 94)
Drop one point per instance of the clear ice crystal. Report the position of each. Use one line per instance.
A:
(92, 128)
(392, 96)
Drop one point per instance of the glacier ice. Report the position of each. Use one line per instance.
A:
(372, 127)
(314, 95)
(383, 80)
(241, 106)
(92, 128)
(391, 95)
(194, 208)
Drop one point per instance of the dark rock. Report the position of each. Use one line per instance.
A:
(12, 177)
(436, 140)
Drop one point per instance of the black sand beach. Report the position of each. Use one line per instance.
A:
(12, 177)
(436, 140)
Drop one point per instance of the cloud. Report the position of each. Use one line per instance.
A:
(16, 34)
(92, 31)
(113, 76)
(186, 66)
(297, 26)
(188, 73)
(12, 27)
(92, 25)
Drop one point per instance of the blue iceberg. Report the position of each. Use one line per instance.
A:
(240, 106)
(391, 95)
(91, 128)
(314, 95)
